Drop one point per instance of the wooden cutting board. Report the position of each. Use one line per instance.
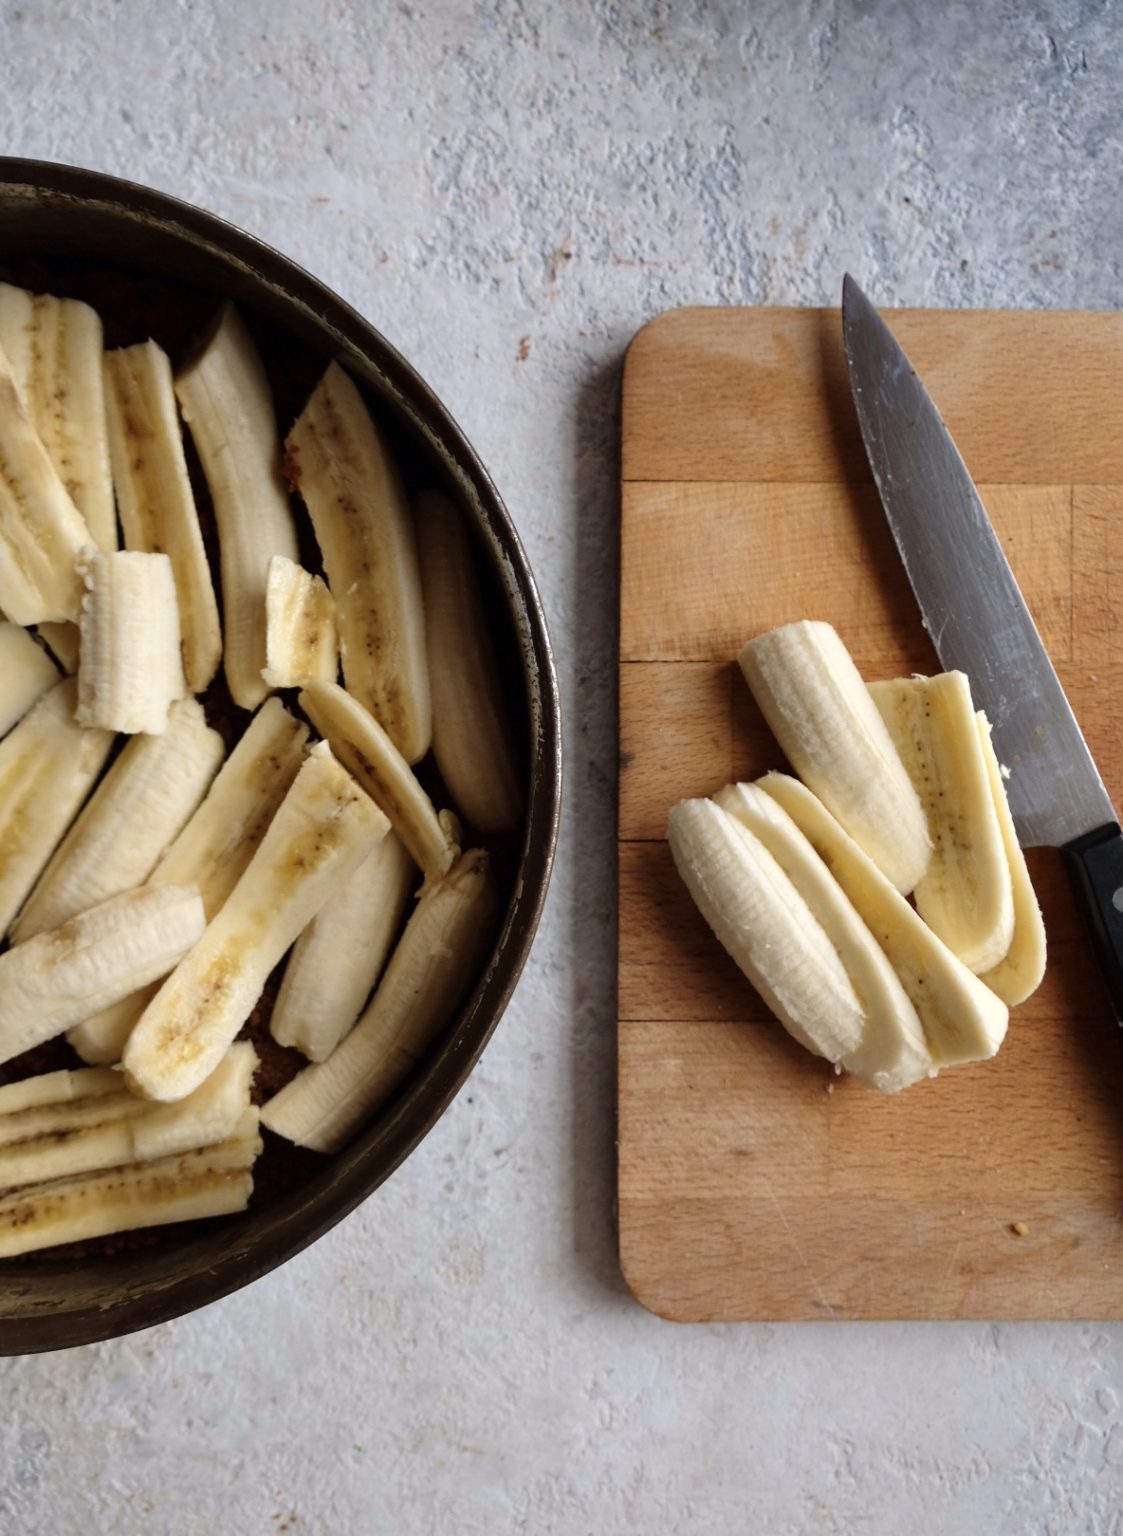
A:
(753, 1183)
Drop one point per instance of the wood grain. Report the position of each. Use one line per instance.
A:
(754, 1183)
(715, 394)
(764, 542)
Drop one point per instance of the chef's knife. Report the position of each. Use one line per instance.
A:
(980, 625)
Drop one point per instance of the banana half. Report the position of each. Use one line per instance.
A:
(821, 713)
(767, 927)
(892, 1051)
(966, 895)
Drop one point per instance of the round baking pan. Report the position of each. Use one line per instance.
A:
(75, 221)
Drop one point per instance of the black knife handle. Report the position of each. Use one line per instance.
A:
(1095, 866)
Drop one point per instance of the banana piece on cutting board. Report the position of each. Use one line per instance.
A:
(966, 895)
(767, 928)
(1019, 972)
(820, 711)
(892, 1052)
(962, 1019)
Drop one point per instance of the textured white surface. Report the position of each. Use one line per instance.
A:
(508, 191)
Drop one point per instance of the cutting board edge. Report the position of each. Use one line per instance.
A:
(640, 1273)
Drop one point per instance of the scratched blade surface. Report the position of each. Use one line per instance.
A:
(970, 602)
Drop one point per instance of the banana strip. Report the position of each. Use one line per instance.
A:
(213, 849)
(1019, 972)
(58, 978)
(472, 738)
(444, 944)
(301, 644)
(20, 1100)
(26, 672)
(130, 670)
(821, 713)
(55, 349)
(339, 956)
(766, 927)
(137, 810)
(48, 765)
(155, 498)
(962, 1019)
(110, 1129)
(42, 532)
(966, 895)
(337, 459)
(324, 828)
(217, 844)
(226, 402)
(892, 1052)
(361, 743)
(210, 1181)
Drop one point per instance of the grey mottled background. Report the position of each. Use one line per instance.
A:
(508, 191)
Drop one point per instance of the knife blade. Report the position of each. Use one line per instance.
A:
(979, 623)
